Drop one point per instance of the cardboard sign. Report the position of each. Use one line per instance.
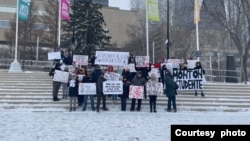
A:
(112, 87)
(154, 88)
(54, 55)
(112, 76)
(80, 60)
(189, 79)
(61, 76)
(142, 61)
(136, 92)
(87, 89)
(111, 58)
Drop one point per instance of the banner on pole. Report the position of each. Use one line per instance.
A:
(65, 6)
(87, 89)
(136, 92)
(80, 60)
(61, 76)
(190, 79)
(23, 9)
(142, 61)
(154, 88)
(54, 55)
(153, 10)
(111, 58)
(112, 87)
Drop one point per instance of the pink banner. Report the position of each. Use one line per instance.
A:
(136, 92)
(65, 6)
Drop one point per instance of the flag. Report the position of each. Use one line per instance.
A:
(65, 6)
(23, 9)
(153, 11)
(197, 9)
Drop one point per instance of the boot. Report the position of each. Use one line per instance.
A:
(202, 94)
(55, 98)
(155, 107)
(195, 94)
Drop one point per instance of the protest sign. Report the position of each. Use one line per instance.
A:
(61, 76)
(54, 55)
(178, 61)
(189, 79)
(112, 76)
(131, 67)
(87, 89)
(154, 88)
(191, 63)
(112, 87)
(111, 58)
(142, 61)
(80, 60)
(136, 92)
(155, 71)
(71, 69)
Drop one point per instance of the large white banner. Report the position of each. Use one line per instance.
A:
(112, 87)
(112, 76)
(87, 89)
(189, 79)
(154, 88)
(111, 58)
(80, 60)
(136, 92)
(54, 55)
(142, 61)
(61, 76)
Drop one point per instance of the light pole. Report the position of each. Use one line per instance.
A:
(168, 36)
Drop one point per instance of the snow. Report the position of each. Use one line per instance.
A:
(112, 125)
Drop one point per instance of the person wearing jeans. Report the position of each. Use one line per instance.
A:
(88, 79)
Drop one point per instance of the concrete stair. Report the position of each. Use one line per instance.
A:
(31, 91)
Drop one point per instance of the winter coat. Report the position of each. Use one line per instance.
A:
(57, 67)
(87, 79)
(125, 93)
(127, 74)
(171, 86)
(138, 81)
(73, 91)
(96, 74)
(144, 71)
(152, 82)
(200, 67)
(99, 85)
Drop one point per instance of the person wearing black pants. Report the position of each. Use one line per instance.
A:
(152, 82)
(125, 94)
(137, 81)
(100, 95)
(152, 102)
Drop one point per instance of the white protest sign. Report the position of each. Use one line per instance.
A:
(80, 77)
(72, 83)
(189, 79)
(112, 76)
(142, 61)
(112, 87)
(71, 69)
(155, 71)
(131, 67)
(111, 58)
(87, 89)
(63, 66)
(80, 60)
(61, 76)
(178, 61)
(154, 88)
(136, 92)
(191, 63)
(54, 55)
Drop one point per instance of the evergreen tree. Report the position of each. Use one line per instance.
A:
(87, 22)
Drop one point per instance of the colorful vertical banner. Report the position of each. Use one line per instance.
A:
(197, 9)
(65, 6)
(153, 10)
(23, 9)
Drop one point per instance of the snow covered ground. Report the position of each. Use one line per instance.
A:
(112, 125)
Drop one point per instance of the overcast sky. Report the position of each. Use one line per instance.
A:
(122, 4)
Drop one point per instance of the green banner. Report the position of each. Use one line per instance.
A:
(23, 9)
(153, 10)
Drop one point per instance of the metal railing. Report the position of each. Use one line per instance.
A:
(223, 75)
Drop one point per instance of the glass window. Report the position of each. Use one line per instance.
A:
(5, 24)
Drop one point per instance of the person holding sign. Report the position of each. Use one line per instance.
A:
(170, 91)
(152, 82)
(137, 81)
(100, 95)
(125, 94)
(88, 79)
(56, 85)
(73, 92)
(199, 66)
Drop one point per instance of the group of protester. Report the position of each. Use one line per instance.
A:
(94, 74)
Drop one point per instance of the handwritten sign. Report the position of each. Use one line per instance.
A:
(112, 87)
(111, 58)
(142, 61)
(80, 59)
(54, 55)
(112, 76)
(87, 89)
(136, 92)
(154, 88)
(131, 67)
(61, 76)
